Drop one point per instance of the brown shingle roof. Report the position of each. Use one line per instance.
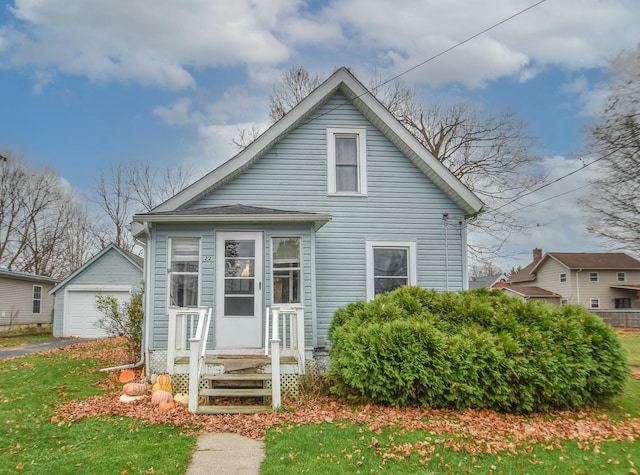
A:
(532, 291)
(596, 260)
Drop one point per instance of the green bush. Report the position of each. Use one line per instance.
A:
(123, 319)
(475, 349)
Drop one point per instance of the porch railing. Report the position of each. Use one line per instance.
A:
(184, 325)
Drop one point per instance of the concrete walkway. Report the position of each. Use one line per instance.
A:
(226, 454)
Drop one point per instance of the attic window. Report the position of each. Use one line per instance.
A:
(346, 161)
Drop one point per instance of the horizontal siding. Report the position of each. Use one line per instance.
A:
(16, 303)
(206, 232)
(110, 269)
(402, 204)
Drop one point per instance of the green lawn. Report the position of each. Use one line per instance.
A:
(631, 342)
(35, 441)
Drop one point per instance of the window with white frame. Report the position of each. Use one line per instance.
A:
(37, 299)
(564, 302)
(595, 303)
(347, 161)
(287, 270)
(593, 277)
(622, 277)
(390, 264)
(563, 277)
(184, 271)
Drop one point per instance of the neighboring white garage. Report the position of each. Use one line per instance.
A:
(112, 271)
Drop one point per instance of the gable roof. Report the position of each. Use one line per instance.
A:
(524, 274)
(486, 281)
(341, 81)
(593, 260)
(129, 256)
(14, 274)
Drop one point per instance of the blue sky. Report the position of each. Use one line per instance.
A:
(87, 84)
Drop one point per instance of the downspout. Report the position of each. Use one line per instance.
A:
(578, 285)
(143, 343)
(445, 218)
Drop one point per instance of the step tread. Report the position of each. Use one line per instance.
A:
(232, 409)
(248, 392)
(238, 377)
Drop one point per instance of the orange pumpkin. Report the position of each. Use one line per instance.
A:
(127, 375)
(165, 406)
(164, 379)
(161, 396)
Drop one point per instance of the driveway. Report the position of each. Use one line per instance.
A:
(38, 346)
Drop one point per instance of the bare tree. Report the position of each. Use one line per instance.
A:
(36, 212)
(296, 84)
(126, 189)
(491, 154)
(614, 202)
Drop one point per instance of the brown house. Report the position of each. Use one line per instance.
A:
(596, 280)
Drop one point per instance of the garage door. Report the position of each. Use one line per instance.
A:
(81, 313)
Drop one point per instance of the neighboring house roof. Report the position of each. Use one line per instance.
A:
(487, 281)
(135, 260)
(341, 81)
(524, 274)
(234, 213)
(27, 276)
(593, 260)
(531, 291)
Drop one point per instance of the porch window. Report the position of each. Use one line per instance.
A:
(37, 299)
(346, 161)
(390, 264)
(286, 265)
(184, 272)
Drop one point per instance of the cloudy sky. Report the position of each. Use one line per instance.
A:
(88, 83)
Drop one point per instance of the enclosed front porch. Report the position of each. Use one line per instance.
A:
(237, 380)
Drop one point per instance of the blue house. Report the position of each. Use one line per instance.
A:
(335, 203)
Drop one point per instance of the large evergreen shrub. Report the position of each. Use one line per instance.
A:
(480, 349)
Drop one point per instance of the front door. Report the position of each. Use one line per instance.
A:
(238, 316)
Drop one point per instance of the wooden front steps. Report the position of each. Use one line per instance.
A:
(235, 393)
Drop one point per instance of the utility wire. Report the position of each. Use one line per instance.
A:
(461, 43)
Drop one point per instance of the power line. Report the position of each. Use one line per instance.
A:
(495, 25)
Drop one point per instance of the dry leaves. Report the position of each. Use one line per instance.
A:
(477, 431)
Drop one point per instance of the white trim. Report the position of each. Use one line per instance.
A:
(343, 81)
(301, 271)
(591, 301)
(361, 134)
(411, 264)
(170, 273)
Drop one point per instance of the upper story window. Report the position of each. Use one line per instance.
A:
(595, 303)
(287, 267)
(593, 277)
(390, 264)
(563, 277)
(347, 161)
(184, 271)
(622, 277)
(37, 299)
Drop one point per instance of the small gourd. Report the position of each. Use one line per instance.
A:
(160, 396)
(165, 406)
(135, 389)
(181, 398)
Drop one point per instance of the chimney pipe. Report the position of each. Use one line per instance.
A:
(537, 254)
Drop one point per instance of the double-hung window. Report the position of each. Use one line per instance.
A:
(37, 299)
(287, 270)
(622, 277)
(563, 277)
(593, 277)
(347, 161)
(184, 272)
(390, 264)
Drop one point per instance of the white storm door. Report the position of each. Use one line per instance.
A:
(239, 267)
